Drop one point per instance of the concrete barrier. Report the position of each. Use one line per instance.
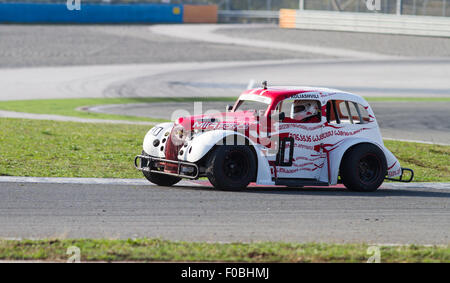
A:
(200, 14)
(90, 13)
(365, 22)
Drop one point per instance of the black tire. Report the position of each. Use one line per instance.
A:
(159, 179)
(363, 168)
(231, 167)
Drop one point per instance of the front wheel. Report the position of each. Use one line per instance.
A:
(161, 179)
(231, 167)
(363, 168)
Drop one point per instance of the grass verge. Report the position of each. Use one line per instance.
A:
(68, 107)
(148, 250)
(66, 149)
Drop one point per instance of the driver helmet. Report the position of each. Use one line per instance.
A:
(302, 109)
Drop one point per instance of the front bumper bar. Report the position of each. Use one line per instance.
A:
(401, 176)
(180, 165)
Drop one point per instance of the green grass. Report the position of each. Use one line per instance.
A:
(68, 107)
(160, 250)
(66, 149)
(431, 163)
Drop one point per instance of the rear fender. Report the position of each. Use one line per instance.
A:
(336, 153)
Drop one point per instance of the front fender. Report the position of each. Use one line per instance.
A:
(202, 143)
(157, 134)
(336, 153)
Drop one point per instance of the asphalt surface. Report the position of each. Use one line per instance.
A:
(389, 216)
(70, 45)
(423, 121)
(399, 45)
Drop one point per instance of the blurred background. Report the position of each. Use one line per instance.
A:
(405, 7)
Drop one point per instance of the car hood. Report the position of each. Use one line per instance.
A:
(218, 121)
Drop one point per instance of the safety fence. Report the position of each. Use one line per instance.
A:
(365, 22)
(400, 7)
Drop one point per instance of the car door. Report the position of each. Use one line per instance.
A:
(300, 153)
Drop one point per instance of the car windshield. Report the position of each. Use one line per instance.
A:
(250, 105)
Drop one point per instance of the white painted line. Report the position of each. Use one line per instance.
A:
(83, 181)
(415, 141)
(435, 186)
(22, 115)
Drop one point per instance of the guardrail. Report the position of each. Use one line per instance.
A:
(365, 22)
(249, 14)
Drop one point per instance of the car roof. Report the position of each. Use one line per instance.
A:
(277, 93)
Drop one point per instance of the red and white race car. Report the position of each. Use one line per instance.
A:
(291, 136)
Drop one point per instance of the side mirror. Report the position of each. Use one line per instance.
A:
(228, 108)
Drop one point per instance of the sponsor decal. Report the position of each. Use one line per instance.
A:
(202, 125)
(301, 145)
(295, 170)
(327, 94)
(298, 126)
(308, 159)
(305, 96)
(395, 172)
(303, 164)
(325, 135)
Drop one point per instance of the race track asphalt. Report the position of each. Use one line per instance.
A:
(392, 215)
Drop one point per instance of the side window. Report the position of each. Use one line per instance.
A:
(331, 112)
(302, 111)
(346, 112)
(364, 114)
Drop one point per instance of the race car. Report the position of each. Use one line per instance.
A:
(288, 136)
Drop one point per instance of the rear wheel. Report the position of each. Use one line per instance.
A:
(231, 167)
(157, 178)
(363, 168)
